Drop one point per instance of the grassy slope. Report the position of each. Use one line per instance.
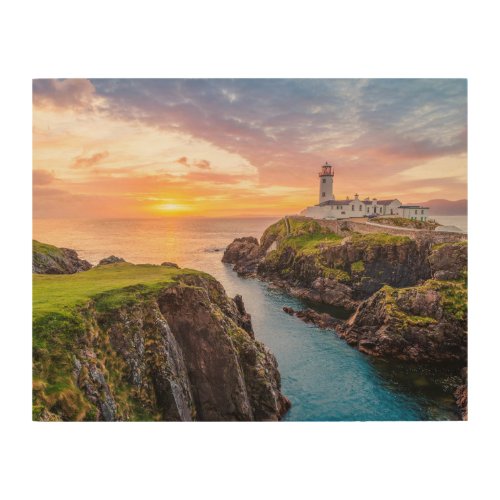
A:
(59, 322)
(59, 293)
(46, 249)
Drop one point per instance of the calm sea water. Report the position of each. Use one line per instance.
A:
(451, 220)
(324, 377)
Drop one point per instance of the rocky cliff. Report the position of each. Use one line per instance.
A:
(406, 297)
(313, 262)
(48, 259)
(127, 342)
(422, 323)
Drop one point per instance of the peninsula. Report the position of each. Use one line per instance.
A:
(398, 284)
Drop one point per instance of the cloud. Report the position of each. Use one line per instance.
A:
(203, 164)
(76, 94)
(454, 168)
(183, 161)
(246, 139)
(216, 178)
(42, 177)
(89, 161)
(293, 124)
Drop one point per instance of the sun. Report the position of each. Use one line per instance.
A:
(173, 208)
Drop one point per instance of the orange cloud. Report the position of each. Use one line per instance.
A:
(89, 161)
(42, 177)
(203, 164)
(244, 146)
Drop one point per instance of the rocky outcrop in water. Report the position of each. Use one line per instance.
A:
(323, 320)
(182, 352)
(245, 254)
(48, 259)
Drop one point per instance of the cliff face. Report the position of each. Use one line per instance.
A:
(407, 297)
(421, 323)
(314, 263)
(175, 349)
(48, 259)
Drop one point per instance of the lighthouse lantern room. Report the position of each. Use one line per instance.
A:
(326, 183)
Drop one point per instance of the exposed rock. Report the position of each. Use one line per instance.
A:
(408, 295)
(170, 264)
(48, 259)
(448, 261)
(184, 352)
(461, 396)
(413, 324)
(244, 319)
(323, 320)
(112, 259)
(233, 376)
(245, 254)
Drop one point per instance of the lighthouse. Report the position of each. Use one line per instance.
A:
(326, 183)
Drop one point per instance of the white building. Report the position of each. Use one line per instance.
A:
(330, 208)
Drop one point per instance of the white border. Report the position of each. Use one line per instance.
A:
(223, 38)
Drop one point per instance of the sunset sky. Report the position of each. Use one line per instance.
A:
(147, 148)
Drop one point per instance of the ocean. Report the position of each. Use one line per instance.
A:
(326, 379)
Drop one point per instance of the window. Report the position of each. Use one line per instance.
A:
(323, 194)
(352, 207)
(324, 180)
(421, 211)
(416, 211)
(391, 211)
(360, 208)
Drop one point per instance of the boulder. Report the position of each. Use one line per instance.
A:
(112, 259)
(48, 259)
(170, 264)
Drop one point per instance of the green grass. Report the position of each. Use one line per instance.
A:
(406, 320)
(46, 249)
(298, 226)
(311, 243)
(358, 266)
(461, 243)
(60, 321)
(59, 293)
(453, 297)
(452, 294)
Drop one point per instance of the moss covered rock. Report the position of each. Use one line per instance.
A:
(48, 259)
(126, 342)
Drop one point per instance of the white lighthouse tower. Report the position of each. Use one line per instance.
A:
(326, 183)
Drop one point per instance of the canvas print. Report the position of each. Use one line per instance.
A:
(249, 249)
